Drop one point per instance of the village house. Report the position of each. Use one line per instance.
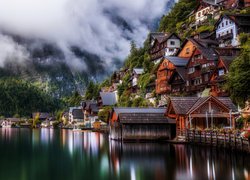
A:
(141, 124)
(202, 61)
(228, 28)
(201, 112)
(42, 116)
(205, 11)
(76, 115)
(163, 44)
(90, 110)
(218, 79)
(136, 73)
(108, 99)
(165, 70)
(178, 81)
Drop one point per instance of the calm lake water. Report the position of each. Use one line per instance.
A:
(62, 154)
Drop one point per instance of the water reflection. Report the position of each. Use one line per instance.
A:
(63, 154)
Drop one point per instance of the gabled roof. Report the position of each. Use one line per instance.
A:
(224, 101)
(138, 110)
(227, 60)
(77, 114)
(181, 105)
(186, 105)
(177, 61)
(161, 37)
(181, 71)
(108, 98)
(142, 115)
(239, 19)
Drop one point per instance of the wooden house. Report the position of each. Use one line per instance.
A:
(136, 73)
(228, 28)
(141, 124)
(201, 112)
(178, 81)
(201, 64)
(41, 115)
(218, 79)
(165, 70)
(163, 44)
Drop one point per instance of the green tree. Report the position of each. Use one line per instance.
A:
(239, 78)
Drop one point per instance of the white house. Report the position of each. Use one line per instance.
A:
(228, 27)
(206, 9)
(135, 76)
(76, 115)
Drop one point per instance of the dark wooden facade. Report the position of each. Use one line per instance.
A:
(160, 44)
(165, 71)
(201, 113)
(201, 64)
(178, 81)
(129, 124)
(218, 79)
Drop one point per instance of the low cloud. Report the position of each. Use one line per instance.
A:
(94, 26)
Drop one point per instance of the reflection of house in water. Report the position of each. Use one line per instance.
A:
(139, 158)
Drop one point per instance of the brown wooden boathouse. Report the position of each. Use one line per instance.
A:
(141, 124)
(201, 112)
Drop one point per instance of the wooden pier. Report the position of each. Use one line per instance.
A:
(218, 139)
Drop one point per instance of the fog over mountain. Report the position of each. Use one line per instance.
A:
(90, 37)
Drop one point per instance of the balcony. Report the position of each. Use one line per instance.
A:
(207, 69)
(225, 37)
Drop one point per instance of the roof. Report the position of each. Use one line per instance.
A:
(108, 98)
(186, 105)
(239, 19)
(161, 37)
(77, 114)
(181, 71)
(209, 53)
(138, 70)
(90, 105)
(181, 105)
(227, 60)
(138, 110)
(142, 115)
(228, 102)
(141, 118)
(177, 61)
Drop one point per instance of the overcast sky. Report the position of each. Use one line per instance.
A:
(84, 23)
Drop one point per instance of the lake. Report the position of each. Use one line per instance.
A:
(62, 154)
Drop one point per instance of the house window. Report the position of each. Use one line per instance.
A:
(199, 14)
(187, 50)
(227, 32)
(221, 72)
(231, 31)
(191, 70)
(187, 83)
(203, 12)
(226, 23)
(230, 22)
(222, 24)
(219, 27)
(206, 77)
(172, 42)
